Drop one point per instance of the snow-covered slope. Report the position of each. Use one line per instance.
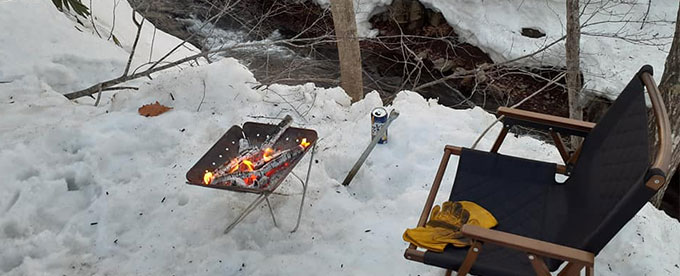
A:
(42, 46)
(100, 190)
(614, 45)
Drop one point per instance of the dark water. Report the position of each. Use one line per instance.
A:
(287, 65)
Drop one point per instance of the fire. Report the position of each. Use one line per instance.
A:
(255, 162)
(304, 143)
(234, 165)
(248, 165)
(208, 177)
(251, 179)
(267, 155)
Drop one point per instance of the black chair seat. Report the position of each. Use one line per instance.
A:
(492, 260)
(517, 192)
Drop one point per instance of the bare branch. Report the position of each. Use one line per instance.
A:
(134, 44)
(93, 89)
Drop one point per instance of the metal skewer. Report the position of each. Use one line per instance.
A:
(393, 115)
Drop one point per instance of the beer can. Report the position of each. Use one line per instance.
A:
(378, 119)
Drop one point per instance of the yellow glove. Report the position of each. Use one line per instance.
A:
(445, 223)
(452, 216)
(478, 215)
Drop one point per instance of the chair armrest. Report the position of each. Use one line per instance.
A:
(455, 150)
(529, 245)
(661, 165)
(545, 121)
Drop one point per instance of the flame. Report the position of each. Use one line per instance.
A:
(267, 155)
(234, 165)
(248, 165)
(304, 143)
(208, 177)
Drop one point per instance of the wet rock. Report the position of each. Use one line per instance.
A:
(532, 32)
(443, 65)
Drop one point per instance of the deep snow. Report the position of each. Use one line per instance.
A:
(613, 45)
(100, 190)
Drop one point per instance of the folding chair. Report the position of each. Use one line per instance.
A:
(543, 223)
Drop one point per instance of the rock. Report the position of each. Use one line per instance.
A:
(443, 65)
(416, 17)
(398, 11)
(424, 54)
(436, 18)
(532, 32)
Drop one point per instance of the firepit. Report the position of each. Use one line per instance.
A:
(255, 158)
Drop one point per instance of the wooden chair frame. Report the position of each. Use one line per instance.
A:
(536, 250)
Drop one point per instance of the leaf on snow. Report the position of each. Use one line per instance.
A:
(151, 110)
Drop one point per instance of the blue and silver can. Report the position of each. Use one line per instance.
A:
(378, 119)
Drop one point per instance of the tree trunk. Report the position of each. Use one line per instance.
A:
(573, 61)
(348, 48)
(670, 92)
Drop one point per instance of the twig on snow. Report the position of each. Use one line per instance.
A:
(201, 103)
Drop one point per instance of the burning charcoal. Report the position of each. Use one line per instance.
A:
(263, 157)
(257, 174)
(269, 142)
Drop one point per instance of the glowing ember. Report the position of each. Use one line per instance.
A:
(208, 177)
(304, 143)
(256, 167)
(251, 180)
(267, 155)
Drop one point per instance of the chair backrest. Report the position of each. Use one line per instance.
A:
(606, 187)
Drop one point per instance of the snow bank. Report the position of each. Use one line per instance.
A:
(51, 51)
(607, 62)
(100, 190)
(153, 43)
(61, 54)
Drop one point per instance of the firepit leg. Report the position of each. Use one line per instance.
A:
(271, 211)
(304, 188)
(245, 212)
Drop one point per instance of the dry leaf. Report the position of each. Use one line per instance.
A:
(151, 110)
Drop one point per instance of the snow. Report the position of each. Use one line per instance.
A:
(100, 190)
(63, 56)
(153, 43)
(607, 62)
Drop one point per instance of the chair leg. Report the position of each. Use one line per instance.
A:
(470, 258)
(590, 271)
(448, 272)
(571, 269)
(539, 265)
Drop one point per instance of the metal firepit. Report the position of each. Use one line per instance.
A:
(227, 148)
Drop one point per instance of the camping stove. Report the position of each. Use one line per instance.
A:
(254, 158)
